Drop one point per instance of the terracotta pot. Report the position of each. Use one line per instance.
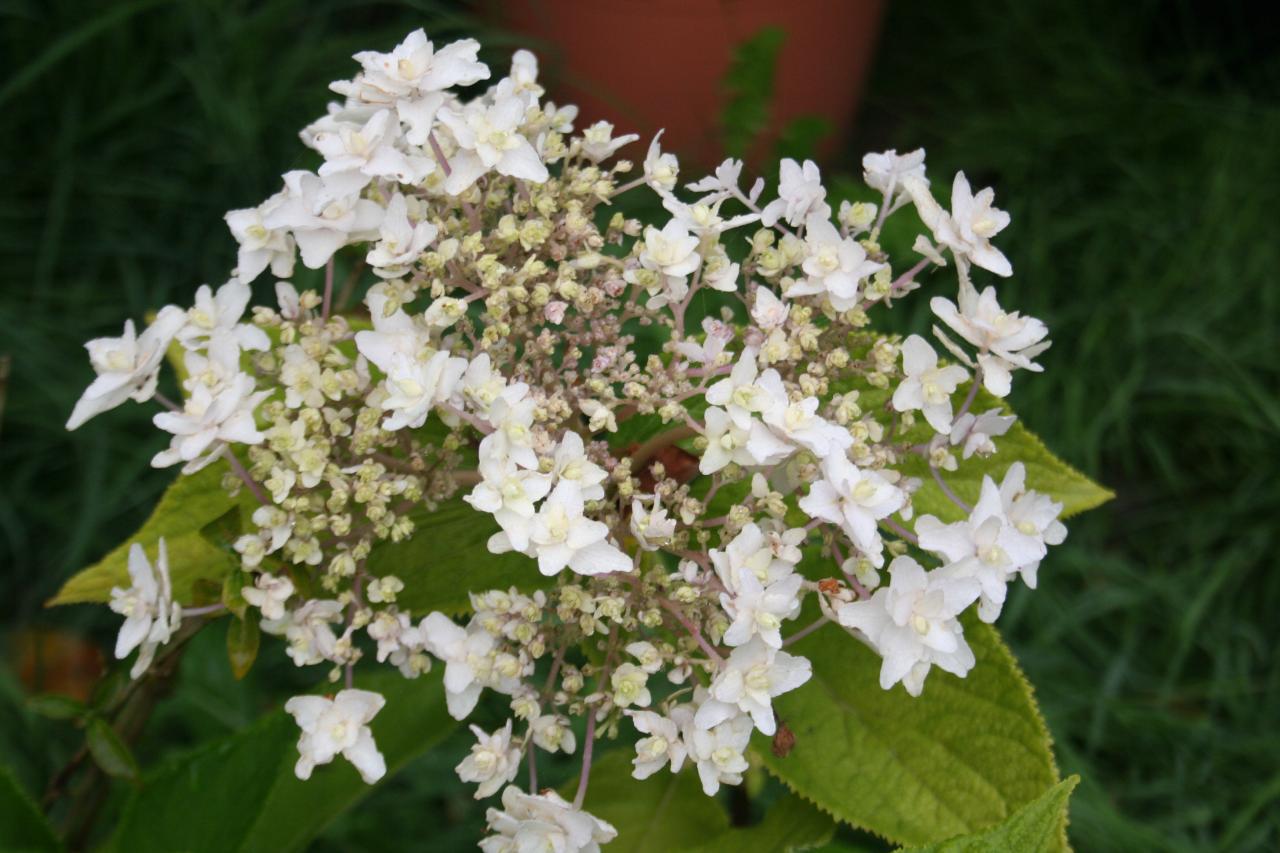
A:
(651, 64)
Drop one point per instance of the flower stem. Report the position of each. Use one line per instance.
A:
(328, 291)
(900, 530)
(946, 490)
(586, 761)
(244, 476)
(806, 631)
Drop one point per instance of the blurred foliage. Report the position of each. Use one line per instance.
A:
(1131, 142)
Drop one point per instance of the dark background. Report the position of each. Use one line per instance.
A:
(1137, 146)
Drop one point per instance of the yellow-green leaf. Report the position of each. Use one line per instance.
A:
(243, 637)
(190, 503)
(240, 792)
(447, 557)
(1037, 827)
(789, 826)
(662, 814)
(965, 755)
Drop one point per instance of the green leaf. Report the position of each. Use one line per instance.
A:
(188, 505)
(57, 707)
(243, 637)
(109, 750)
(749, 82)
(666, 812)
(22, 826)
(791, 824)
(240, 792)
(1036, 827)
(447, 557)
(964, 755)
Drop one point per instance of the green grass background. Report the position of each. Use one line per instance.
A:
(1137, 146)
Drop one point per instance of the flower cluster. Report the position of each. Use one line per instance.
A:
(688, 428)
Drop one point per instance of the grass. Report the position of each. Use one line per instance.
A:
(1133, 144)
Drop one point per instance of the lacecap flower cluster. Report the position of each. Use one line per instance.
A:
(518, 322)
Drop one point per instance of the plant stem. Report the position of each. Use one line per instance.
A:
(581, 795)
(946, 490)
(244, 476)
(659, 442)
(806, 630)
(900, 530)
(328, 291)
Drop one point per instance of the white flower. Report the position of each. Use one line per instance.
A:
(599, 416)
(127, 366)
(703, 218)
(976, 431)
(724, 183)
(412, 79)
(416, 385)
(718, 336)
(912, 623)
(524, 73)
(545, 822)
(210, 419)
(307, 630)
(727, 442)
(1032, 514)
(648, 655)
(662, 747)
(401, 243)
(1005, 340)
(599, 143)
(151, 616)
(216, 316)
(967, 230)
(925, 385)
(769, 312)
(322, 221)
(652, 527)
(754, 674)
(571, 465)
(489, 139)
(673, 254)
(552, 733)
(268, 594)
(661, 171)
(798, 422)
(415, 66)
(800, 195)
(493, 761)
(769, 559)
(260, 246)
(508, 492)
(628, 683)
(393, 632)
(338, 726)
(987, 546)
(562, 536)
(740, 393)
(481, 385)
(857, 500)
(718, 752)
(384, 590)
(758, 610)
(512, 417)
(355, 155)
(887, 170)
(468, 659)
(835, 265)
